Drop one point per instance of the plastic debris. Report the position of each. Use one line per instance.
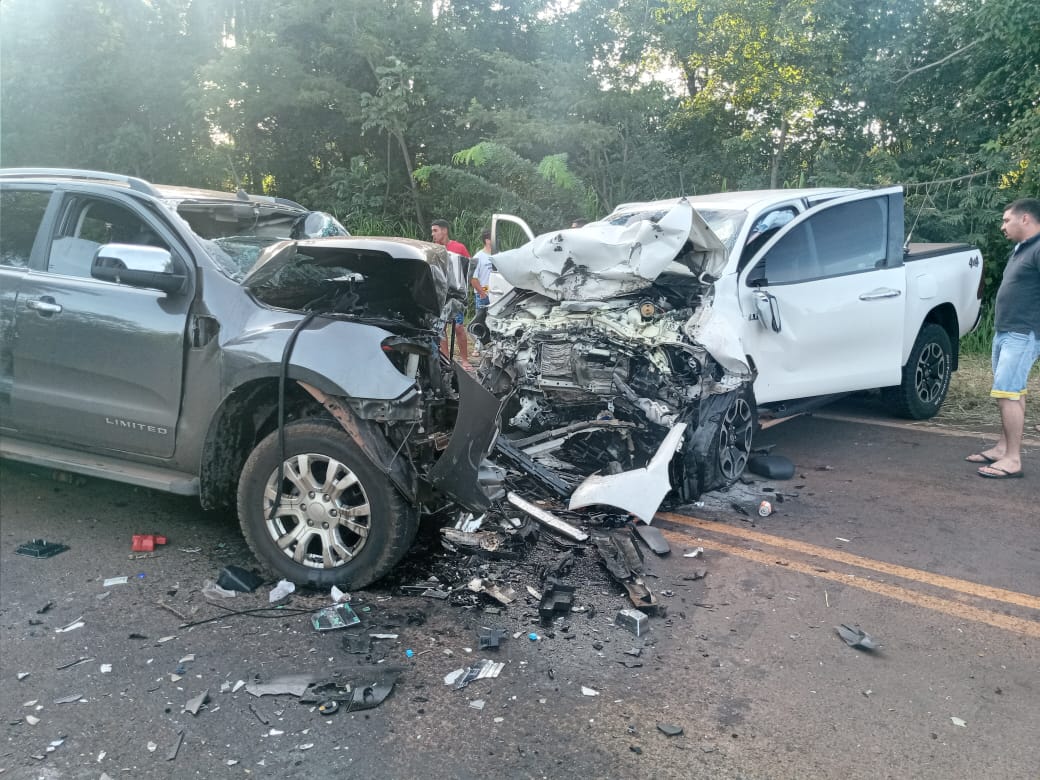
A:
(69, 699)
(290, 684)
(501, 594)
(77, 623)
(338, 596)
(694, 553)
(558, 598)
(958, 722)
(115, 581)
(41, 548)
(653, 538)
(477, 704)
(585, 691)
(533, 636)
(146, 542)
(105, 668)
(70, 664)
(855, 637)
(354, 688)
(195, 704)
(336, 616)
(631, 619)
(490, 638)
(280, 591)
(328, 707)
(670, 730)
(479, 671)
(152, 747)
(548, 519)
(235, 578)
(32, 720)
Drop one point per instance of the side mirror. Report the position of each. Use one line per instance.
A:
(147, 267)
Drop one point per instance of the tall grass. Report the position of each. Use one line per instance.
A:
(978, 342)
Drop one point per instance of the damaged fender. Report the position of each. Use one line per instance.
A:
(639, 491)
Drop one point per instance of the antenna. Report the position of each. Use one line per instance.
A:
(906, 244)
(240, 193)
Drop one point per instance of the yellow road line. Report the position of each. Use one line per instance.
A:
(955, 609)
(949, 583)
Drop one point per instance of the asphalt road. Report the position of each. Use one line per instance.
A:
(883, 527)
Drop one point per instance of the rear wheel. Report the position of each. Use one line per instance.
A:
(926, 376)
(338, 521)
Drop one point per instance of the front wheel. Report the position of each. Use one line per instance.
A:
(730, 443)
(926, 376)
(338, 520)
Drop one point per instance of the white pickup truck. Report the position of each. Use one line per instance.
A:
(671, 311)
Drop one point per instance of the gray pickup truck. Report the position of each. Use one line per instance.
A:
(242, 349)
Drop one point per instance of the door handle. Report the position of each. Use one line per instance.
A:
(882, 292)
(45, 305)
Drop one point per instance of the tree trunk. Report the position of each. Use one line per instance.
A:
(778, 156)
(411, 178)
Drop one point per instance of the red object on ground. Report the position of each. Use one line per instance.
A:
(146, 542)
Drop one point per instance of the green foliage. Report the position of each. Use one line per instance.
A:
(385, 112)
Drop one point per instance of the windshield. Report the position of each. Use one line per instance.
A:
(724, 223)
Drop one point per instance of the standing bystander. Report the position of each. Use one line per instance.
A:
(480, 281)
(439, 230)
(1016, 342)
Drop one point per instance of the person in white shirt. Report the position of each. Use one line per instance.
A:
(479, 282)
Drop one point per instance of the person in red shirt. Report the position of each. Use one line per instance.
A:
(439, 229)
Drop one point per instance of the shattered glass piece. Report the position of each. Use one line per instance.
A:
(336, 616)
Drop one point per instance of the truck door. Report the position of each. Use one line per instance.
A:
(824, 300)
(97, 364)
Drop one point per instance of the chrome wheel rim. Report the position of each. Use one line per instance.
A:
(735, 439)
(930, 378)
(323, 516)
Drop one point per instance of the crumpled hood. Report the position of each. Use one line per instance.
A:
(396, 271)
(603, 259)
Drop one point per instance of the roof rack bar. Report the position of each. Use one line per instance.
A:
(140, 185)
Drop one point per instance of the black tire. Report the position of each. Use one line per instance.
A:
(333, 546)
(926, 376)
(730, 446)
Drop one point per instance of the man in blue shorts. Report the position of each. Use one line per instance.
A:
(1016, 343)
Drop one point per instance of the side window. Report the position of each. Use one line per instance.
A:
(765, 228)
(21, 212)
(852, 237)
(792, 259)
(87, 224)
(841, 240)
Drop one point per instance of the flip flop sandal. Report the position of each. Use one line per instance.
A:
(978, 457)
(1002, 475)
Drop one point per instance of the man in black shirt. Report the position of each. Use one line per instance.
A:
(1016, 343)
